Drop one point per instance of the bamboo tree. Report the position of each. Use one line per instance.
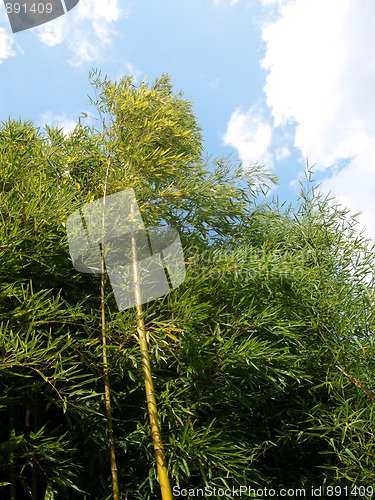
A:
(37, 359)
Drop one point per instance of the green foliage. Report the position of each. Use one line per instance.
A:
(263, 359)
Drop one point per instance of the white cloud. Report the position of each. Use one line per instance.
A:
(214, 84)
(232, 2)
(251, 135)
(87, 29)
(6, 42)
(52, 33)
(354, 186)
(106, 10)
(93, 31)
(60, 120)
(84, 49)
(281, 153)
(319, 55)
(129, 69)
(272, 2)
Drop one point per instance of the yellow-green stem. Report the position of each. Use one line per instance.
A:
(165, 487)
(107, 395)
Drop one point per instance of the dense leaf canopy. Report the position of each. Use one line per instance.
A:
(263, 359)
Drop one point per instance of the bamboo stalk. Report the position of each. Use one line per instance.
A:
(107, 395)
(112, 454)
(165, 487)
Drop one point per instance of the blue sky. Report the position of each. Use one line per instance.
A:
(274, 81)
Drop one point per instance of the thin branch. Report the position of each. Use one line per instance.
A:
(358, 384)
